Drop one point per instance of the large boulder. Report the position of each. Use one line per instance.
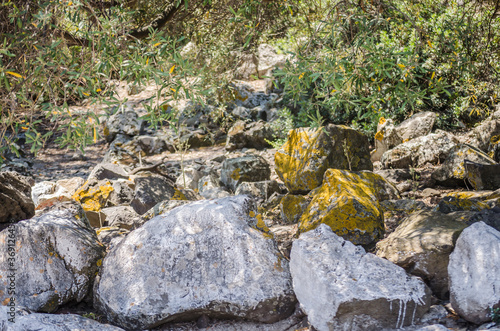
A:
(483, 176)
(248, 168)
(418, 125)
(433, 148)
(452, 172)
(202, 258)
(341, 287)
(481, 135)
(15, 197)
(304, 158)
(56, 257)
(422, 245)
(474, 272)
(349, 202)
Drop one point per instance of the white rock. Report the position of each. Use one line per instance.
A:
(341, 287)
(474, 272)
(198, 259)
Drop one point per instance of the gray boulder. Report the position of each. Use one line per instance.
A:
(149, 191)
(259, 190)
(56, 258)
(452, 172)
(474, 272)
(417, 125)
(198, 259)
(248, 168)
(123, 217)
(341, 287)
(15, 197)
(123, 122)
(422, 245)
(483, 176)
(433, 148)
(107, 170)
(481, 135)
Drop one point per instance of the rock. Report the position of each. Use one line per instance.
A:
(249, 135)
(41, 189)
(195, 139)
(480, 136)
(450, 204)
(93, 195)
(246, 67)
(162, 208)
(418, 125)
(474, 271)
(149, 191)
(483, 177)
(108, 171)
(292, 207)
(341, 287)
(71, 184)
(123, 217)
(433, 148)
(386, 138)
(494, 148)
(123, 122)
(57, 256)
(395, 211)
(348, 202)
(57, 322)
(111, 236)
(452, 172)
(422, 245)
(304, 158)
(215, 193)
(490, 217)
(15, 197)
(268, 59)
(221, 268)
(208, 182)
(261, 191)
(248, 168)
(122, 193)
(189, 179)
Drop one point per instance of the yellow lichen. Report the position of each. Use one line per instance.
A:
(235, 175)
(381, 121)
(347, 203)
(178, 195)
(379, 136)
(93, 198)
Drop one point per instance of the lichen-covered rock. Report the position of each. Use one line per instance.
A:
(93, 195)
(106, 170)
(483, 176)
(249, 135)
(433, 148)
(494, 148)
(481, 135)
(56, 322)
(422, 245)
(451, 203)
(348, 202)
(452, 172)
(160, 209)
(56, 254)
(395, 211)
(151, 190)
(123, 122)
(385, 138)
(292, 207)
(15, 197)
(198, 259)
(248, 168)
(304, 158)
(341, 287)
(474, 271)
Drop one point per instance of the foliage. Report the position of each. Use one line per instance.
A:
(392, 59)
(55, 54)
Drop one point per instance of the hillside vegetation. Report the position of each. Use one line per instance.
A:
(351, 62)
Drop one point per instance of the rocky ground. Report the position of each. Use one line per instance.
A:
(324, 233)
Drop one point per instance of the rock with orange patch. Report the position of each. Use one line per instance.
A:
(452, 172)
(55, 258)
(348, 202)
(210, 257)
(304, 158)
(385, 138)
(248, 168)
